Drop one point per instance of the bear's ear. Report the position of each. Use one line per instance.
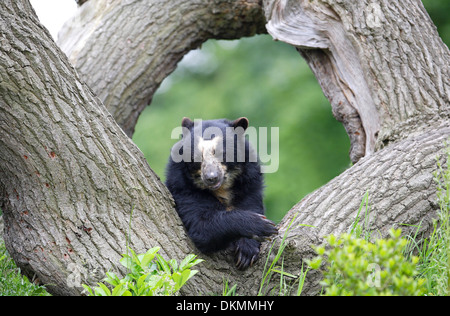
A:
(240, 122)
(186, 122)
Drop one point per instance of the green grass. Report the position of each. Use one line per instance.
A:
(434, 251)
(12, 283)
(275, 268)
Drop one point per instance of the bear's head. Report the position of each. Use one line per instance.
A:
(213, 151)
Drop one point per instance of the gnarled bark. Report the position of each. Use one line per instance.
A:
(70, 177)
(380, 63)
(124, 50)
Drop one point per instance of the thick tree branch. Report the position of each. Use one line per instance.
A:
(124, 50)
(69, 176)
(365, 55)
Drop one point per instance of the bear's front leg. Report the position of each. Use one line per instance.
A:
(246, 252)
(213, 230)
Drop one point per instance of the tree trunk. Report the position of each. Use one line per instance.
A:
(69, 176)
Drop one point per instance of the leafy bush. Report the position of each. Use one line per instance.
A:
(149, 274)
(359, 267)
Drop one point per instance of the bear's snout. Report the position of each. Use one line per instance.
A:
(212, 176)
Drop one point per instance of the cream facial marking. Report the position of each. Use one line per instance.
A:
(212, 173)
(208, 147)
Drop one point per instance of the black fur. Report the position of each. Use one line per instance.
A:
(215, 223)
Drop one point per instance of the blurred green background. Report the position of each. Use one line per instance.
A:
(270, 84)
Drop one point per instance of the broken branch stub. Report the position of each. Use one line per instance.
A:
(320, 36)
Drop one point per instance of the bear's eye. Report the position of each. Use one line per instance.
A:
(213, 151)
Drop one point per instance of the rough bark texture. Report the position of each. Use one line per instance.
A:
(125, 49)
(380, 63)
(69, 176)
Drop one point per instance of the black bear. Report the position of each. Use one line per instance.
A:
(215, 178)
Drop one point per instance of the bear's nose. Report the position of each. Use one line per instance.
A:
(211, 178)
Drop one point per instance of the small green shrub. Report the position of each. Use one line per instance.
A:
(149, 274)
(359, 267)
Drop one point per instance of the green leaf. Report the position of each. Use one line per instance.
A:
(112, 279)
(102, 290)
(147, 276)
(306, 225)
(141, 281)
(136, 258)
(190, 275)
(189, 262)
(230, 292)
(181, 278)
(133, 288)
(147, 258)
(173, 263)
(126, 262)
(163, 264)
(176, 277)
(153, 250)
(186, 261)
(88, 289)
(127, 293)
(284, 273)
(119, 290)
(315, 263)
(320, 250)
